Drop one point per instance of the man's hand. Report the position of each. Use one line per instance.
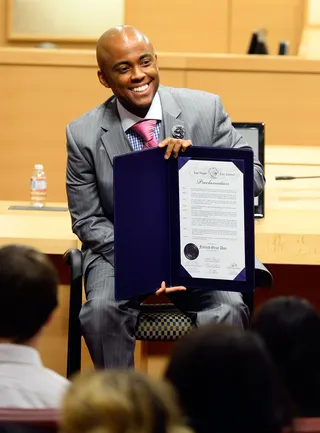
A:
(164, 289)
(174, 145)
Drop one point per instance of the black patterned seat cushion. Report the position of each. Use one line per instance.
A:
(162, 322)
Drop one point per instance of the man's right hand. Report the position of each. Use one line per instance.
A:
(174, 146)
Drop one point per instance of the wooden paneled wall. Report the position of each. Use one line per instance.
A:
(277, 91)
(283, 20)
(183, 25)
(205, 26)
(39, 103)
(42, 91)
(2, 23)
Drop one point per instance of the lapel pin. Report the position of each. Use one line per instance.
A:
(178, 131)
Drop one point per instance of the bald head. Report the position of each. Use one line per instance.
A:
(129, 67)
(118, 37)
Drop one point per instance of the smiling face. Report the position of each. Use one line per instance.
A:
(129, 67)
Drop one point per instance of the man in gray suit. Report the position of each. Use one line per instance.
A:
(128, 65)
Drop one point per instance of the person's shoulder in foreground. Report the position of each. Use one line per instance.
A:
(28, 290)
(25, 382)
(117, 400)
(226, 382)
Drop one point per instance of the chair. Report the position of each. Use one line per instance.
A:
(14, 420)
(156, 322)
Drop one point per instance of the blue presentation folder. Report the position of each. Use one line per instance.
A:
(147, 222)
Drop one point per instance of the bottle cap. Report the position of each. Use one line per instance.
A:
(38, 166)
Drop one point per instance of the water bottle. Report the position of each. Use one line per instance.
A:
(38, 186)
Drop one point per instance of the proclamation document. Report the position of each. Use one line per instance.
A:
(212, 234)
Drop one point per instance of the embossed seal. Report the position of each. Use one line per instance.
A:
(178, 131)
(213, 172)
(191, 251)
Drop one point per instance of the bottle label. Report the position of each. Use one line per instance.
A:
(38, 185)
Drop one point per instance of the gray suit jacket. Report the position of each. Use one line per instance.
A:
(97, 136)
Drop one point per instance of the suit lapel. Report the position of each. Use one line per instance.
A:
(171, 113)
(113, 137)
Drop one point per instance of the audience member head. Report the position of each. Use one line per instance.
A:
(28, 293)
(116, 401)
(129, 67)
(226, 382)
(290, 327)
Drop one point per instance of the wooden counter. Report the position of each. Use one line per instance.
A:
(167, 60)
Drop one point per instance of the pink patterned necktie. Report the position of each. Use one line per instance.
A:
(145, 128)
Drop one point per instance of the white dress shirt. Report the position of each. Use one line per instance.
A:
(129, 119)
(25, 382)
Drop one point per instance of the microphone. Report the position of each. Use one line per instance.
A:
(283, 48)
(296, 177)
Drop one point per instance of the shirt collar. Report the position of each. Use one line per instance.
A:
(129, 119)
(19, 353)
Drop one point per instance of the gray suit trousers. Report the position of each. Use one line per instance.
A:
(108, 326)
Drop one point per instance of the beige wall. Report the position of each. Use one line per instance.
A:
(206, 26)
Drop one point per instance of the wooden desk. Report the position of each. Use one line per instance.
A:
(48, 231)
(287, 240)
(290, 232)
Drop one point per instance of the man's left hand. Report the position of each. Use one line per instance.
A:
(174, 145)
(164, 289)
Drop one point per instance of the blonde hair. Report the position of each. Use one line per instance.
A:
(116, 401)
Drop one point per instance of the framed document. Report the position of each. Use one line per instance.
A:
(187, 221)
(211, 210)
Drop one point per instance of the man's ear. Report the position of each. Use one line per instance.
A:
(156, 59)
(102, 79)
